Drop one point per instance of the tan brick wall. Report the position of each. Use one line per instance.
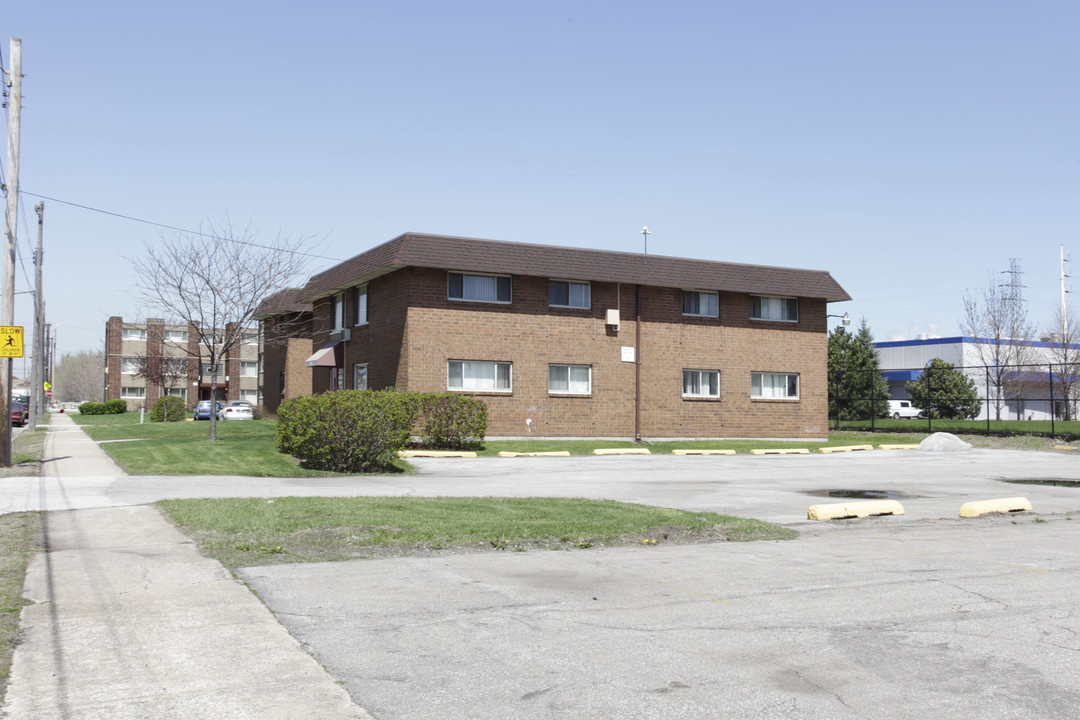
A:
(531, 335)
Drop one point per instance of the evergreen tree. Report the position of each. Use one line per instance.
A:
(942, 391)
(857, 389)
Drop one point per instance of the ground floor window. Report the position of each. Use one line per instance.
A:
(335, 378)
(252, 396)
(177, 392)
(701, 383)
(570, 379)
(774, 385)
(133, 392)
(360, 376)
(478, 375)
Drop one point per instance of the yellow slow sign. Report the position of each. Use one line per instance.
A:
(11, 341)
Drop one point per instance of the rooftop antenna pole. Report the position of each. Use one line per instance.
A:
(645, 231)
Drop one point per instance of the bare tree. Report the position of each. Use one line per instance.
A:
(1064, 348)
(215, 281)
(996, 319)
(164, 371)
(80, 377)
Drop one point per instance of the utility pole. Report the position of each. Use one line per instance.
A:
(1064, 311)
(38, 360)
(7, 307)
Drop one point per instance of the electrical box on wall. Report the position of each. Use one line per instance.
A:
(612, 318)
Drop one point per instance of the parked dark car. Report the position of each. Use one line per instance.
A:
(20, 413)
(202, 410)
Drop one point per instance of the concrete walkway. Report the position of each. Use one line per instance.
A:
(128, 620)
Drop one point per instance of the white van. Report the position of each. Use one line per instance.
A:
(903, 409)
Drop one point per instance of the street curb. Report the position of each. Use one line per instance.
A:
(837, 511)
(1002, 505)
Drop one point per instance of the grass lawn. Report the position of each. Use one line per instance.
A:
(184, 448)
(248, 448)
(20, 537)
(255, 531)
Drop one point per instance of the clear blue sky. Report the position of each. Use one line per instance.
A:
(908, 148)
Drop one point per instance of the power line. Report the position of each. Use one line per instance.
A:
(174, 228)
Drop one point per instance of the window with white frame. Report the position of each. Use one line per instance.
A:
(774, 386)
(249, 369)
(176, 336)
(700, 302)
(360, 294)
(778, 309)
(129, 366)
(338, 318)
(177, 392)
(570, 379)
(133, 393)
(252, 396)
(701, 383)
(478, 288)
(250, 338)
(569, 293)
(360, 376)
(133, 334)
(478, 375)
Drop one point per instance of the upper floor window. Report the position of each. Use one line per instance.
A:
(338, 318)
(700, 302)
(478, 375)
(249, 369)
(177, 336)
(780, 309)
(250, 339)
(360, 305)
(568, 293)
(784, 386)
(478, 288)
(701, 383)
(570, 379)
(129, 366)
(133, 333)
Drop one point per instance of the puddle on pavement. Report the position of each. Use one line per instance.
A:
(1059, 482)
(862, 494)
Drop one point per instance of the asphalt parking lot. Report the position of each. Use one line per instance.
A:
(923, 615)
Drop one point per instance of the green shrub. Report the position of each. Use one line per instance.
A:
(348, 431)
(115, 407)
(92, 408)
(451, 421)
(168, 409)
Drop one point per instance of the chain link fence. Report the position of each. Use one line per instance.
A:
(1040, 399)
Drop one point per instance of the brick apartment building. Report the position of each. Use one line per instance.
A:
(125, 342)
(568, 342)
(285, 325)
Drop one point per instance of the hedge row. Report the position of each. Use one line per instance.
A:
(109, 407)
(355, 431)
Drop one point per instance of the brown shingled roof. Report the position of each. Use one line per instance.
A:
(493, 256)
(289, 300)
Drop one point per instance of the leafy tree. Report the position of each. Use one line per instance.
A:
(942, 391)
(857, 389)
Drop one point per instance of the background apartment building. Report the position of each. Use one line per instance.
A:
(125, 343)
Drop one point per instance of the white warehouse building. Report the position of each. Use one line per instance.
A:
(1034, 391)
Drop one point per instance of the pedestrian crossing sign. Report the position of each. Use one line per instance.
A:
(11, 341)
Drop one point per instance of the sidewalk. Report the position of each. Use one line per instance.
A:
(128, 621)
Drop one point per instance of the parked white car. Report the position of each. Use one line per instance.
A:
(903, 409)
(237, 410)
